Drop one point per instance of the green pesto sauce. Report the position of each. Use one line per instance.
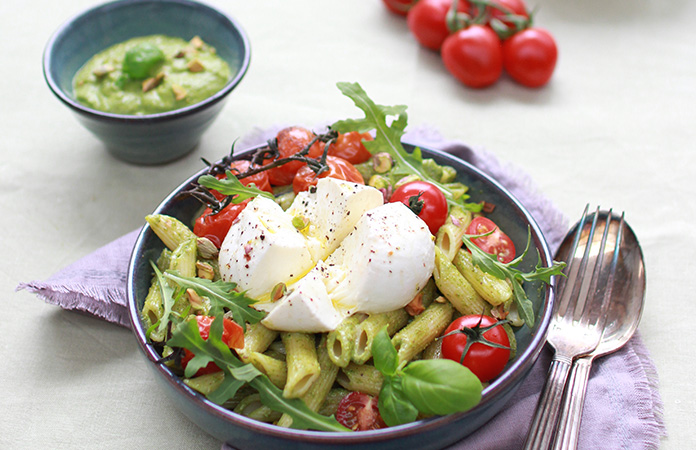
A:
(189, 68)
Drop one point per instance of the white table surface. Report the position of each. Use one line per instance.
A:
(616, 127)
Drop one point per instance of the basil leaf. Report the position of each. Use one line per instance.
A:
(394, 407)
(384, 355)
(441, 386)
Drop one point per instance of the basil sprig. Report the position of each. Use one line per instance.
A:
(429, 386)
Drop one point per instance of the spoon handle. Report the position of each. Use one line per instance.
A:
(548, 409)
(573, 403)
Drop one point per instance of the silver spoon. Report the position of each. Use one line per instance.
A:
(622, 320)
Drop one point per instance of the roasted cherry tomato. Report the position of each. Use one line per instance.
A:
(338, 168)
(485, 361)
(427, 196)
(292, 140)
(400, 7)
(496, 243)
(529, 56)
(232, 336)
(359, 412)
(349, 146)
(216, 226)
(474, 56)
(427, 21)
(260, 180)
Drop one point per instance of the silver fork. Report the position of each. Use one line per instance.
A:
(578, 321)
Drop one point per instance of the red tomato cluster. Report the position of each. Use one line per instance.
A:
(342, 154)
(482, 39)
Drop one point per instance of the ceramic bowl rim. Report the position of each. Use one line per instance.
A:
(522, 364)
(146, 118)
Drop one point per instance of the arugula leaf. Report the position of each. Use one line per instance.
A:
(231, 186)
(441, 386)
(431, 386)
(221, 295)
(237, 374)
(489, 263)
(388, 139)
(167, 298)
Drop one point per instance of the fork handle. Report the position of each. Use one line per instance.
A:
(573, 402)
(549, 405)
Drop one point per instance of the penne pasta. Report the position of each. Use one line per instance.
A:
(494, 290)
(449, 236)
(454, 286)
(340, 343)
(423, 329)
(302, 363)
(368, 329)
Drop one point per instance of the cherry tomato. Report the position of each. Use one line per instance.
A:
(349, 146)
(232, 336)
(427, 21)
(216, 226)
(496, 243)
(516, 7)
(484, 361)
(359, 412)
(400, 7)
(529, 56)
(338, 168)
(290, 141)
(260, 180)
(474, 56)
(434, 203)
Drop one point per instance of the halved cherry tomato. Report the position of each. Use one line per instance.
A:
(485, 361)
(216, 226)
(349, 146)
(338, 168)
(427, 21)
(359, 412)
(496, 243)
(260, 180)
(290, 141)
(232, 336)
(433, 210)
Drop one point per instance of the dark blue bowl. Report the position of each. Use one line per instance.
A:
(243, 433)
(153, 138)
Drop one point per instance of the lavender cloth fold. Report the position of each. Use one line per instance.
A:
(623, 408)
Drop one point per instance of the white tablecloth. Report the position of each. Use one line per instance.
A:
(614, 127)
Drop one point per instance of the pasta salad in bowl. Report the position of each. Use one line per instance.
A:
(341, 289)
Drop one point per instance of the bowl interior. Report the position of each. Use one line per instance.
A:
(103, 26)
(508, 213)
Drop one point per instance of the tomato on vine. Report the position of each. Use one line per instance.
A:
(290, 141)
(427, 21)
(502, 9)
(350, 147)
(400, 7)
(474, 56)
(216, 226)
(478, 342)
(529, 56)
(426, 200)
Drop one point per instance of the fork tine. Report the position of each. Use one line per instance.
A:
(571, 270)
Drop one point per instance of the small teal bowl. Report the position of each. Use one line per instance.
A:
(153, 138)
(243, 433)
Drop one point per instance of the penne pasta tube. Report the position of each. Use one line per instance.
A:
(303, 366)
(341, 341)
(315, 396)
(257, 338)
(171, 231)
(252, 407)
(449, 236)
(454, 286)
(423, 329)
(494, 290)
(368, 329)
(275, 369)
(361, 377)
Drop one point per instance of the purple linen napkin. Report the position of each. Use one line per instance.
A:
(623, 408)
